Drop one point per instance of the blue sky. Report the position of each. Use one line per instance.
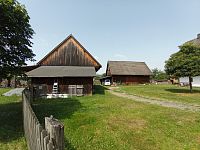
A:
(148, 31)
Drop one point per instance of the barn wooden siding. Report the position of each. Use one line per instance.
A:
(64, 83)
(128, 79)
(38, 138)
(69, 54)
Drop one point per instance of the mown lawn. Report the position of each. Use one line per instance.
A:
(107, 122)
(164, 92)
(11, 126)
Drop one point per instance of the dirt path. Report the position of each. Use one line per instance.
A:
(178, 105)
(16, 91)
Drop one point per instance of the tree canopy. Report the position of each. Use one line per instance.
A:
(184, 63)
(159, 74)
(15, 38)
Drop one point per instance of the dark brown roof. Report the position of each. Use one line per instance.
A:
(65, 40)
(62, 71)
(29, 68)
(128, 68)
(195, 42)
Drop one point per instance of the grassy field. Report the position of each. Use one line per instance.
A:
(11, 129)
(107, 122)
(164, 92)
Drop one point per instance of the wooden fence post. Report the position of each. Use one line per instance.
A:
(50, 138)
(55, 130)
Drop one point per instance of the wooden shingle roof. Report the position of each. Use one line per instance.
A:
(128, 68)
(196, 41)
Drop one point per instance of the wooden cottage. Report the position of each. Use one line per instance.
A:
(68, 69)
(128, 72)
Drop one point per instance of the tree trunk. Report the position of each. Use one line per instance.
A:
(9, 82)
(15, 80)
(190, 83)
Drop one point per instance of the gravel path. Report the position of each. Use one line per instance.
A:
(16, 91)
(178, 105)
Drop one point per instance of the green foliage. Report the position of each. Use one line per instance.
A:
(103, 75)
(11, 124)
(107, 122)
(15, 35)
(166, 92)
(159, 74)
(184, 63)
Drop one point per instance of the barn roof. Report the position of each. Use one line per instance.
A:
(62, 71)
(196, 41)
(128, 68)
(63, 42)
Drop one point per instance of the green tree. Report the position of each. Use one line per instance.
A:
(184, 63)
(159, 74)
(15, 38)
(103, 75)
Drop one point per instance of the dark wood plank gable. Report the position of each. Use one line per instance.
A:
(69, 53)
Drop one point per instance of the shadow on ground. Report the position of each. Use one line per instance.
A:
(99, 89)
(11, 123)
(60, 108)
(182, 90)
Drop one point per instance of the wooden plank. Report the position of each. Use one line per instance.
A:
(46, 141)
(37, 138)
(56, 132)
(43, 135)
(50, 145)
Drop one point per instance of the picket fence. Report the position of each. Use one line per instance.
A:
(51, 137)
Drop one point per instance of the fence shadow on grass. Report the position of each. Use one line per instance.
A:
(99, 89)
(59, 108)
(182, 90)
(11, 124)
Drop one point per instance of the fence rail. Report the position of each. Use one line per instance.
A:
(38, 138)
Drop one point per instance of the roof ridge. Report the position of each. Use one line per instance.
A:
(67, 38)
(126, 61)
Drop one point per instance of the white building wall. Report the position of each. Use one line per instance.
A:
(195, 83)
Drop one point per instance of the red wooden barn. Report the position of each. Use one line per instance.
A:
(128, 72)
(69, 65)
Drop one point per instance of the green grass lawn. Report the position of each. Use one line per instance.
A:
(164, 92)
(11, 127)
(107, 122)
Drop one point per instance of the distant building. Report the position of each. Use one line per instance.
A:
(196, 80)
(185, 81)
(195, 41)
(128, 72)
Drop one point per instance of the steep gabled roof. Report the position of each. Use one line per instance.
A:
(196, 41)
(128, 68)
(62, 71)
(62, 43)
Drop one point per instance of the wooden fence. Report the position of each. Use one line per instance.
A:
(38, 138)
